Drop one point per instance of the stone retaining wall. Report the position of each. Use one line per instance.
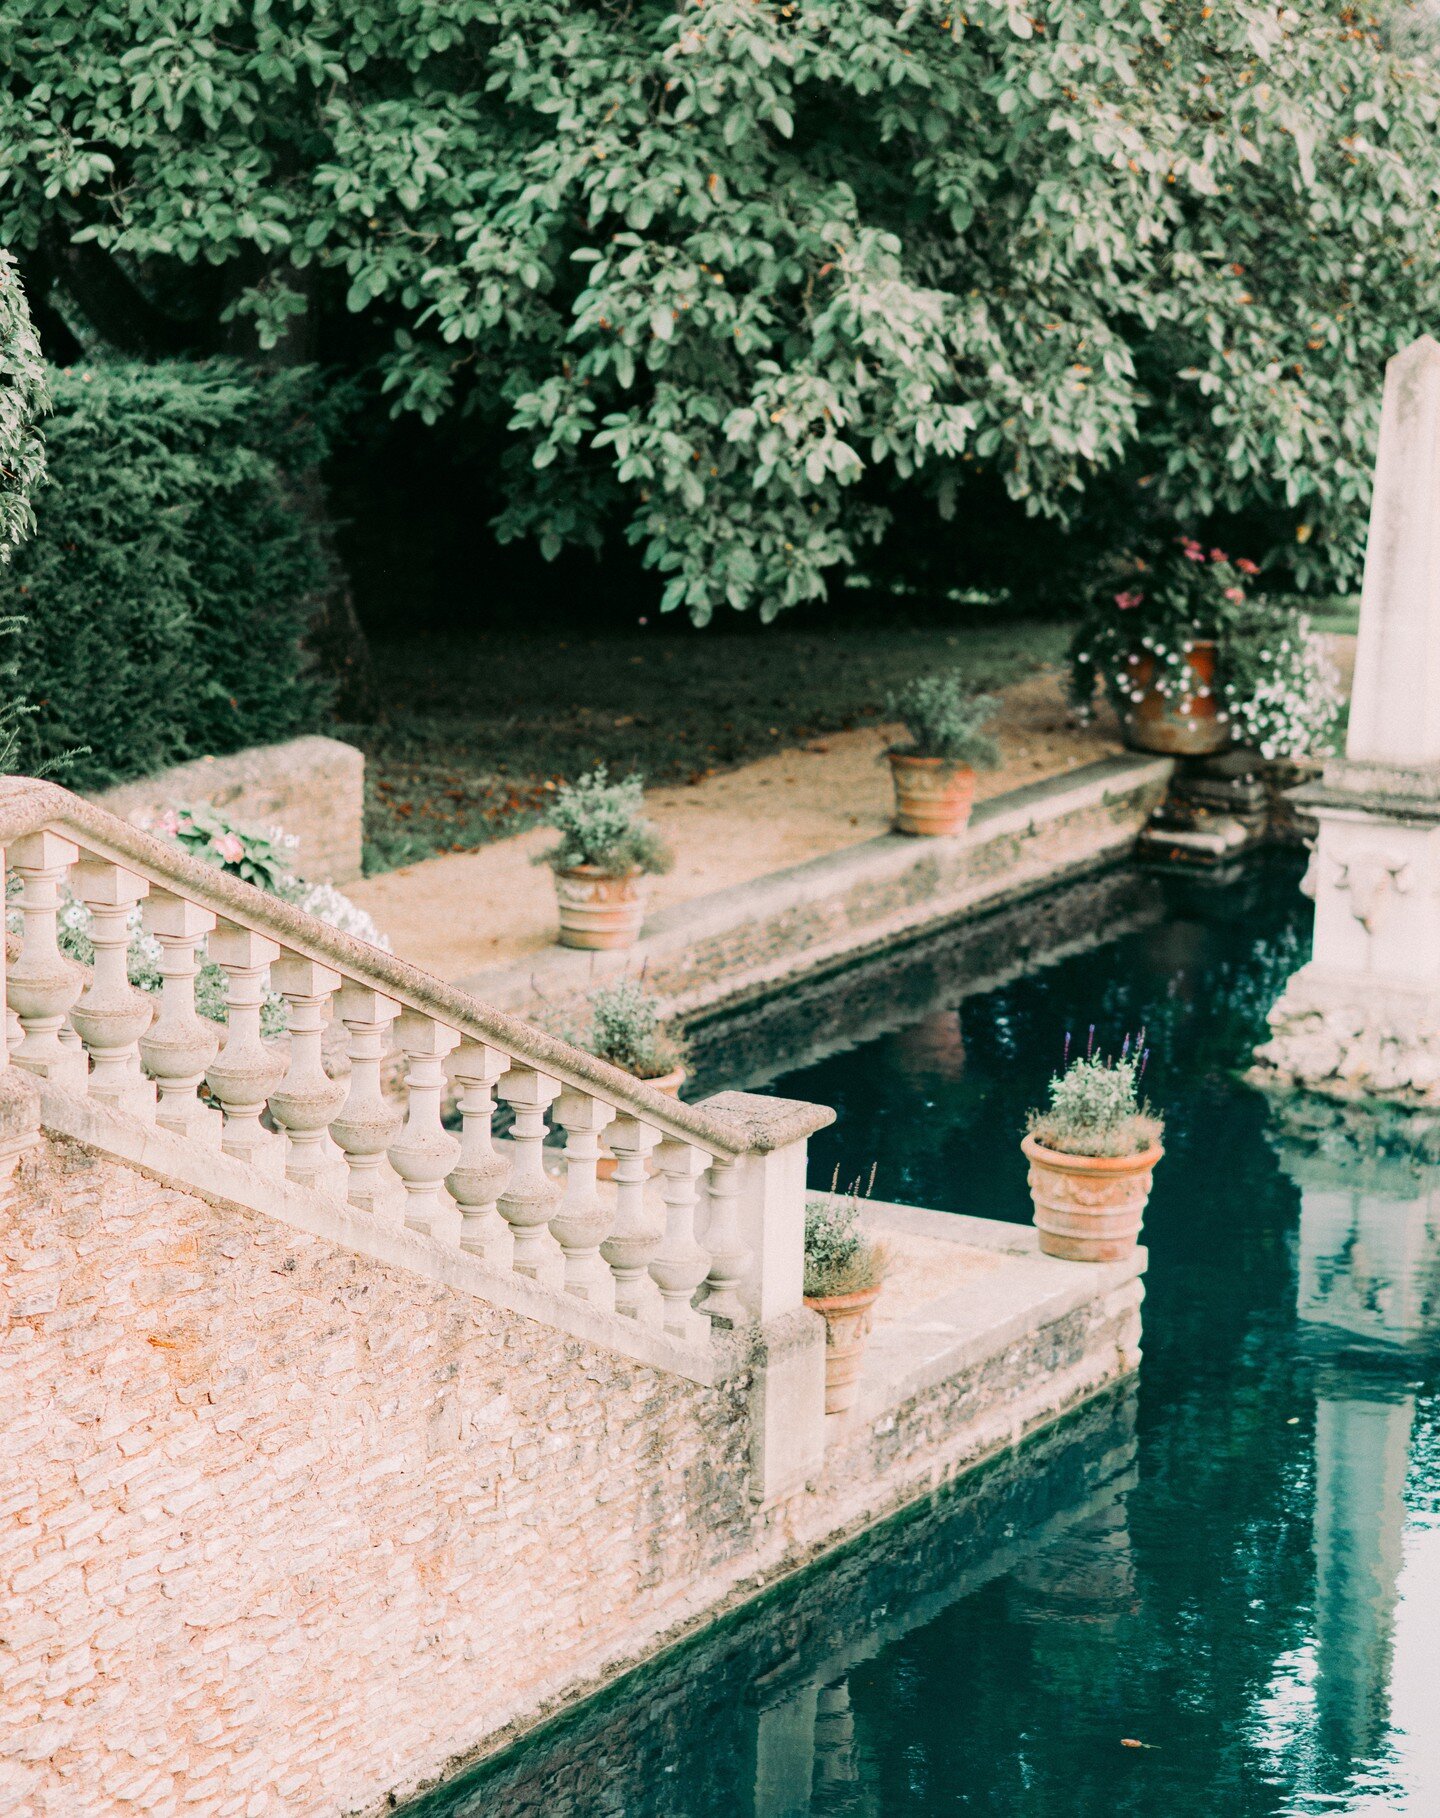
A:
(312, 787)
(285, 1529)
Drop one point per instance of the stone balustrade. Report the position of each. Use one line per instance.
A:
(703, 1225)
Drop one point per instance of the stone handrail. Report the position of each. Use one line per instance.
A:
(31, 805)
(279, 1112)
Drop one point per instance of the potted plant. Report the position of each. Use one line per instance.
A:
(1092, 1154)
(934, 773)
(1154, 636)
(844, 1272)
(626, 1029)
(606, 848)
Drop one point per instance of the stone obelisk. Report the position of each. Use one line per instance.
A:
(1362, 1019)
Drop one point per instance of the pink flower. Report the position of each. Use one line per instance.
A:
(229, 848)
(1235, 593)
(169, 822)
(1128, 599)
(1218, 555)
(1246, 566)
(1191, 550)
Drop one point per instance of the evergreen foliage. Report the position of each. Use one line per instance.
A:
(946, 719)
(160, 605)
(24, 399)
(750, 278)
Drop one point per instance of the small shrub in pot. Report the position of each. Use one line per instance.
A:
(934, 771)
(607, 846)
(844, 1272)
(1092, 1152)
(628, 1031)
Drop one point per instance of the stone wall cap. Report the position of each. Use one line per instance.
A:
(1406, 792)
(764, 1124)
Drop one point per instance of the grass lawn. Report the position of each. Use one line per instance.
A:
(477, 726)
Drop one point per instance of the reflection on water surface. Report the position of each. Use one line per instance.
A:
(1238, 1566)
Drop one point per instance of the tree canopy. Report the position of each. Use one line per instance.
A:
(743, 275)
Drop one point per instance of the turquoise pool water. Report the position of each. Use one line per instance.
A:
(1235, 1563)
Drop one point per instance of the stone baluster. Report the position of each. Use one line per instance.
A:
(680, 1265)
(368, 1122)
(112, 1015)
(247, 1070)
(481, 1172)
(528, 1203)
(425, 1151)
(729, 1254)
(180, 1044)
(583, 1218)
(635, 1236)
(43, 982)
(308, 1099)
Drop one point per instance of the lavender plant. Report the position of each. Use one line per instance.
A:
(839, 1257)
(1095, 1105)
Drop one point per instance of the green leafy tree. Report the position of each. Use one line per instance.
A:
(752, 276)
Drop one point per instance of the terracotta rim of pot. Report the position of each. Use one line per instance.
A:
(1092, 1164)
(668, 1083)
(898, 757)
(595, 871)
(842, 1303)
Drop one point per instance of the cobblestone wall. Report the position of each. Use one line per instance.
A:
(278, 1524)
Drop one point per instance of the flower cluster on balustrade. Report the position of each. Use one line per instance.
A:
(271, 1104)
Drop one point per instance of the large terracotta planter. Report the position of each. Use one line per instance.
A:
(933, 796)
(599, 912)
(847, 1332)
(1088, 1208)
(1184, 725)
(669, 1084)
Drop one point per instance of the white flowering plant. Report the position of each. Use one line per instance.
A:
(1280, 688)
(1271, 681)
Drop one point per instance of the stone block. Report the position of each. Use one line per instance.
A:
(312, 787)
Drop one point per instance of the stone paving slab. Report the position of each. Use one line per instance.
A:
(468, 914)
(961, 1291)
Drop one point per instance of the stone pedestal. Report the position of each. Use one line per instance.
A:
(1363, 1018)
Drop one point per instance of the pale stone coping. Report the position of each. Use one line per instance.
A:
(313, 785)
(979, 1319)
(234, 1185)
(1020, 813)
(29, 805)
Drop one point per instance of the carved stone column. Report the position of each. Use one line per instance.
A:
(180, 1044)
(246, 1071)
(113, 1015)
(43, 983)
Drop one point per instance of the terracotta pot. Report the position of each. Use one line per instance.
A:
(847, 1332)
(1088, 1208)
(933, 796)
(1188, 725)
(669, 1084)
(599, 912)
